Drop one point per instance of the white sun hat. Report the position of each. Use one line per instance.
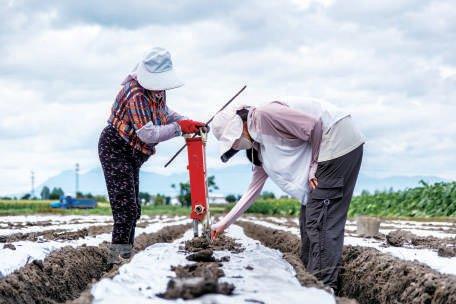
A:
(227, 127)
(155, 71)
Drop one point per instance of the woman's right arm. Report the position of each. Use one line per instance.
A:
(259, 177)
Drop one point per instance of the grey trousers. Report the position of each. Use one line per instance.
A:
(322, 220)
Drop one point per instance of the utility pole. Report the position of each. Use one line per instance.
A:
(32, 193)
(76, 171)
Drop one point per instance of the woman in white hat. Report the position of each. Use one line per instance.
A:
(300, 150)
(139, 120)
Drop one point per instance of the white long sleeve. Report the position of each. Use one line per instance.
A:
(259, 177)
(152, 134)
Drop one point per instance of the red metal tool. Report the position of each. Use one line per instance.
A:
(196, 149)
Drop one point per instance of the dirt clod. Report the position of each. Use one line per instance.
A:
(9, 246)
(204, 255)
(447, 252)
(206, 270)
(191, 288)
(201, 278)
(221, 243)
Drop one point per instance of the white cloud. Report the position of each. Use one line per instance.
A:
(390, 63)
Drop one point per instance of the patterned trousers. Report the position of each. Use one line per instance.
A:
(121, 164)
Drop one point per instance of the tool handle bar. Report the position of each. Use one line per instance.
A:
(208, 122)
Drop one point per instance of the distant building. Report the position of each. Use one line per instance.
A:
(174, 201)
(217, 198)
(214, 198)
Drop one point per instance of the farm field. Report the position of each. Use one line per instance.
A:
(60, 258)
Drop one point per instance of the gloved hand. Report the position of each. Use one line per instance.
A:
(190, 126)
(217, 229)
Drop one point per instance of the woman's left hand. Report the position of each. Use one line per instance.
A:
(313, 183)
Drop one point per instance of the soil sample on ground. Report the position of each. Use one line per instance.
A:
(9, 246)
(222, 242)
(195, 280)
(201, 278)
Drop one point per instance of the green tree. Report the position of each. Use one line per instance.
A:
(184, 196)
(184, 193)
(231, 198)
(161, 199)
(100, 198)
(26, 196)
(211, 185)
(267, 195)
(144, 196)
(45, 192)
(56, 193)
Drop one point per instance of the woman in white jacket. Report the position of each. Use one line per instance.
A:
(311, 154)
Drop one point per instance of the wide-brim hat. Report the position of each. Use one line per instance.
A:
(155, 71)
(227, 127)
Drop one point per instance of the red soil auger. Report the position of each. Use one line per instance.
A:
(196, 150)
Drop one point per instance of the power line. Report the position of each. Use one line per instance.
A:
(76, 171)
(32, 192)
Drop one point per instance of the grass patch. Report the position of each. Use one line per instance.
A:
(25, 207)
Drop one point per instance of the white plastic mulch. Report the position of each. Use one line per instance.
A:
(272, 279)
(425, 256)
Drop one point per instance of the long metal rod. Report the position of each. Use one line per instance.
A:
(208, 122)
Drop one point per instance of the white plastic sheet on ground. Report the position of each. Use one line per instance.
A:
(425, 256)
(27, 251)
(436, 229)
(272, 279)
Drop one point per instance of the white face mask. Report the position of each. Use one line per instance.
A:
(242, 143)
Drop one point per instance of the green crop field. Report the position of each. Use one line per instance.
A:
(437, 200)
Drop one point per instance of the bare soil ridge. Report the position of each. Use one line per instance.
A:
(445, 247)
(368, 275)
(67, 272)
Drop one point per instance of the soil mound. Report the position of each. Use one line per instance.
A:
(56, 234)
(204, 255)
(445, 246)
(66, 272)
(374, 277)
(447, 252)
(61, 276)
(221, 243)
(201, 278)
(191, 288)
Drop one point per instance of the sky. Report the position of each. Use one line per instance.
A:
(390, 63)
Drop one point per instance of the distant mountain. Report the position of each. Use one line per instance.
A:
(233, 179)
